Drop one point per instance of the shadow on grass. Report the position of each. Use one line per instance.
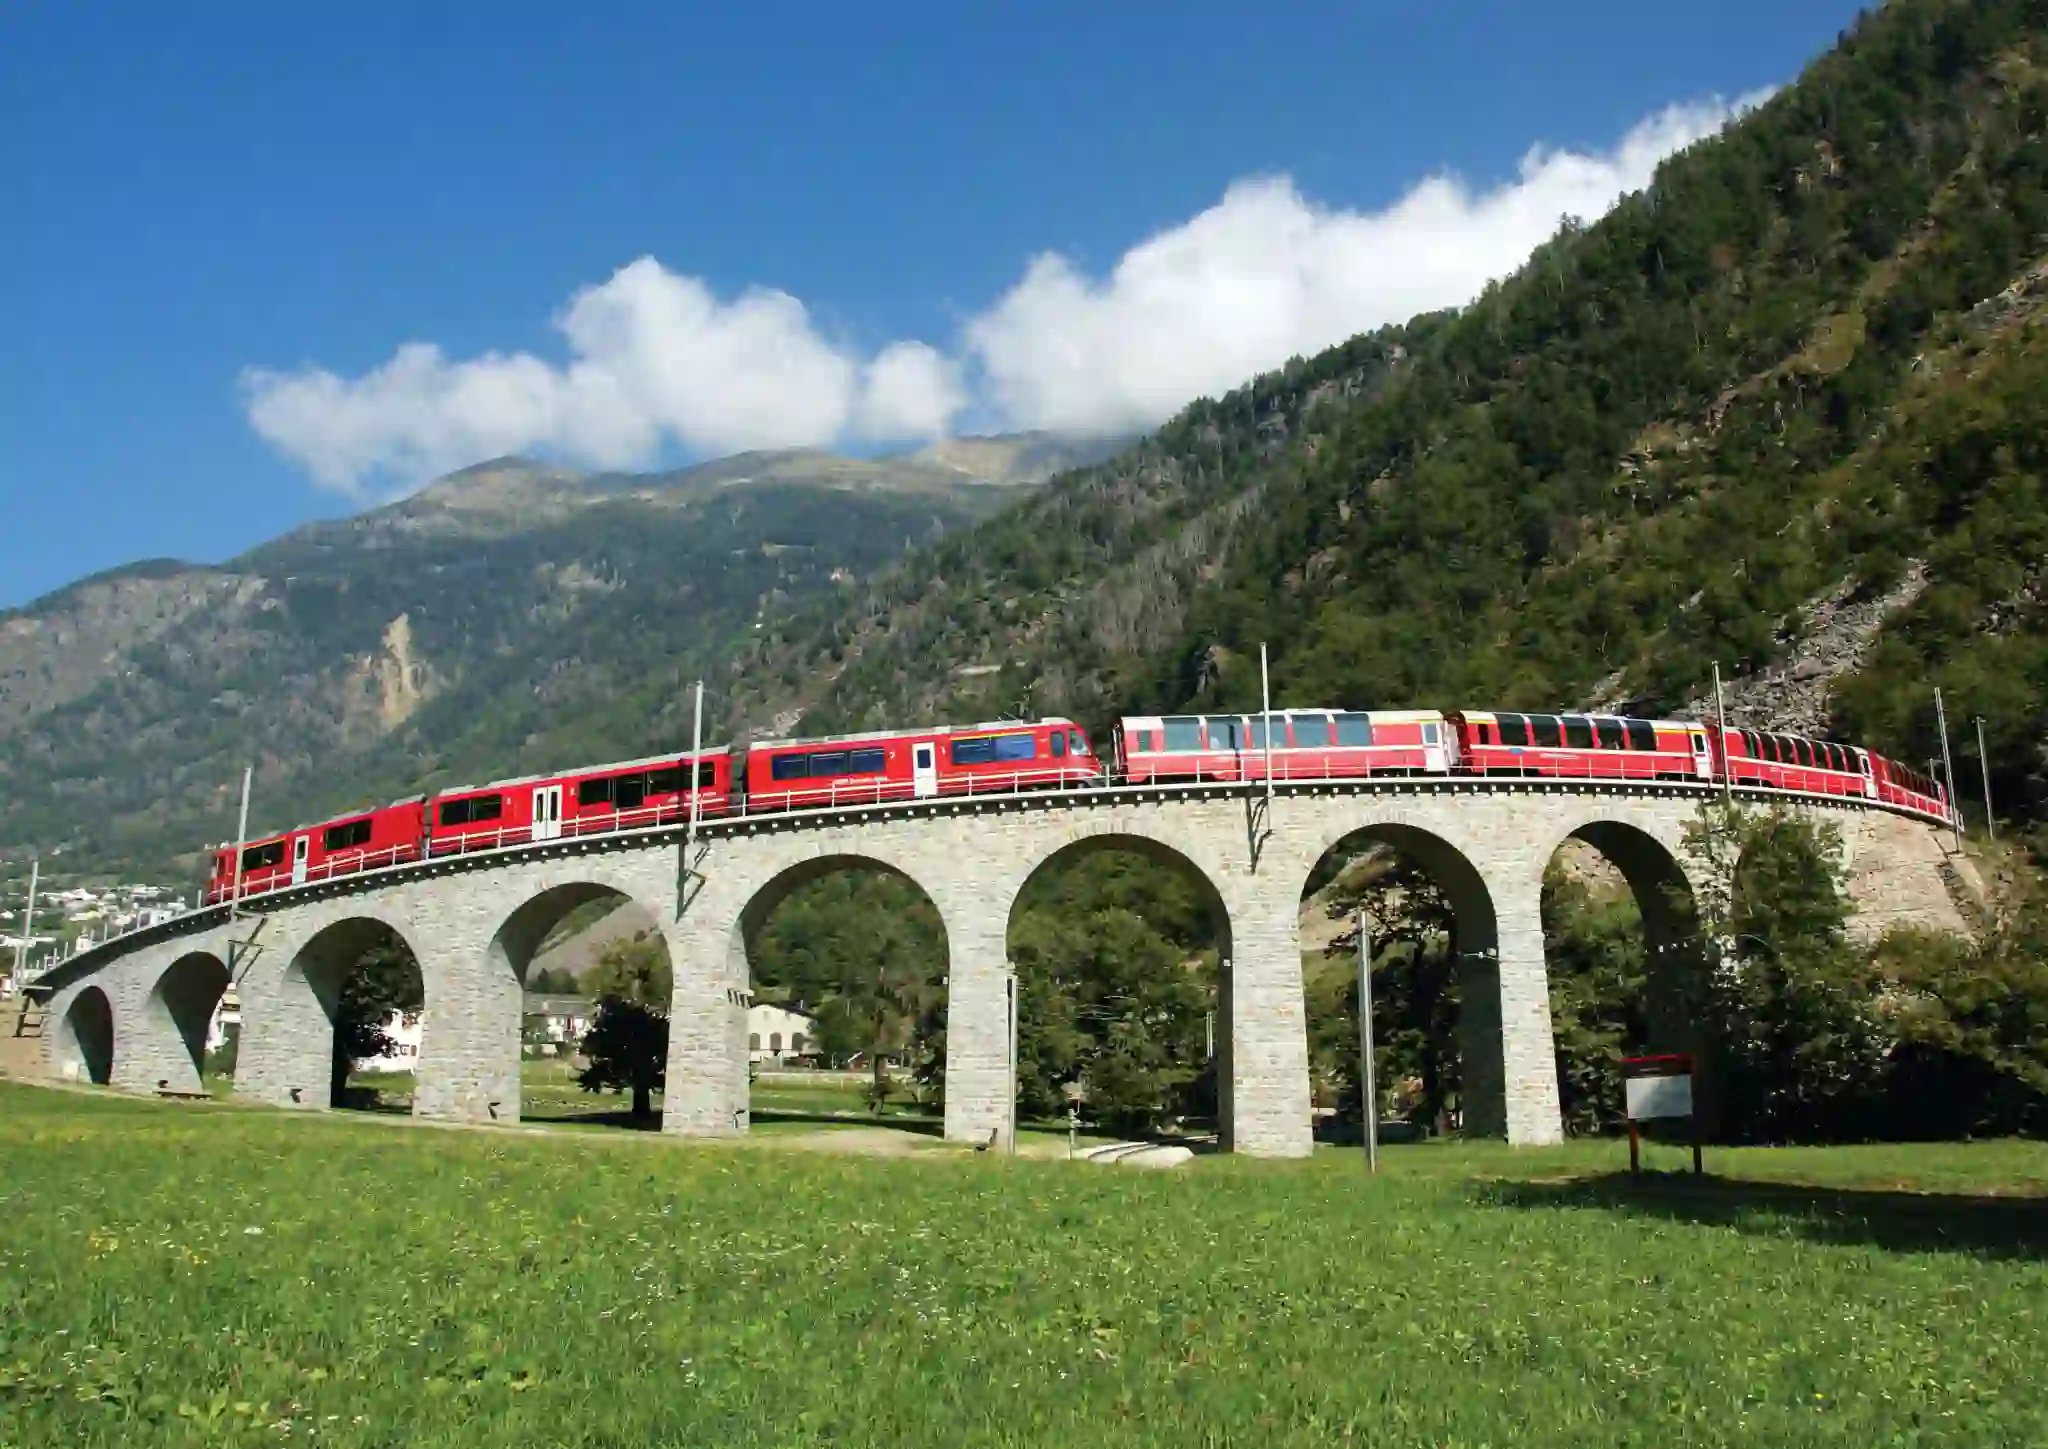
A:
(621, 1117)
(922, 1126)
(1905, 1222)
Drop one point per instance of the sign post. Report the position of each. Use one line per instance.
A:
(1658, 1087)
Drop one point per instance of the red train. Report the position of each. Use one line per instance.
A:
(641, 794)
(1307, 744)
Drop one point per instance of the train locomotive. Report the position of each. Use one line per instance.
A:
(1052, 754)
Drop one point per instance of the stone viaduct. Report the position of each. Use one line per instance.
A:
(134, 1012)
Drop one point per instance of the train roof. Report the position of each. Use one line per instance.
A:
(1393, 716)
(1668, 724)
(912, 734)
(581, 771)
(356, 814)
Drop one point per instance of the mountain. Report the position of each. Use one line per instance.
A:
(1786, 410)
(506, 616)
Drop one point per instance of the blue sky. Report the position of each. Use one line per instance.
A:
(631, 235)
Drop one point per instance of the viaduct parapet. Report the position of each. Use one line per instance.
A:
(135, 1012)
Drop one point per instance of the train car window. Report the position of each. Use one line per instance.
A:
(1610, 734)
(1354, 730)
(1079, 741)
(1432, 734)
(347, 835)
(1059, 752)
(1514, 729)
(629, 792)
(1578, 732)
(1016, 747)
(1642, 735)
(487, 807)
(666, 782)
(1255, 735)
(707, 774)
(1840, 757)
(789, 767)
(1183, 734)
(832, 762)
(867, 762)
(261, 857)
(1224, 733)
(1805, 748)
(1748, 738)
(594, 792)
(973, 752)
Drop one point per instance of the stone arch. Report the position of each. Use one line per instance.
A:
(1180, 860)
(86, 1044)
(509, 957)
(520, 934)
(1665, 1014)
(766, 896)
(310, 992)
(178, 1015)
(1475, 945)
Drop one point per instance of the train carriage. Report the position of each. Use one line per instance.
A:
(1796, 762)
(1581, 746)
(629, 795)
(886, 765)
(365, 840)
(1903, 786)
(1308, 744)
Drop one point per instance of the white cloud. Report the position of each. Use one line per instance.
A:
(1265, 275)
(658, 361)
(910, 391)
(656, 358)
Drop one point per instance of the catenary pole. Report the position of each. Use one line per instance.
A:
(1368, 1087)
(1721, 744)
(696, 748)
(1010, 986)
(1984, 769)
(1266, 703)
(1948, 768)
(28, 923)
(241, 843)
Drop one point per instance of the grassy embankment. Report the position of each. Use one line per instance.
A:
(185, 1275)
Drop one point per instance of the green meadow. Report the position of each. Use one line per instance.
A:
(201, 1275)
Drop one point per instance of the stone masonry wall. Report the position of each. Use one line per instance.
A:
(474, 923)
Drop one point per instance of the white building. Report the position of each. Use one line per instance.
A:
(403, 1027)
(553, 1026)
(775, 1034)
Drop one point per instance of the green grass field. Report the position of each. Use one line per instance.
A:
(190, 1274)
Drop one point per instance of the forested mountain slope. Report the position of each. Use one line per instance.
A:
(1805, 367)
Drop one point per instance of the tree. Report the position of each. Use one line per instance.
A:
(626, 1047)
(1971, 1018)
(384, 982)
(554, 981)
(1796, 1046)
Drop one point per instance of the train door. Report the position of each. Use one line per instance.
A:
(1435, 754)
(302, 846)
(1702, 755)
(924, 761)
(1869, 774)
(547, 812)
